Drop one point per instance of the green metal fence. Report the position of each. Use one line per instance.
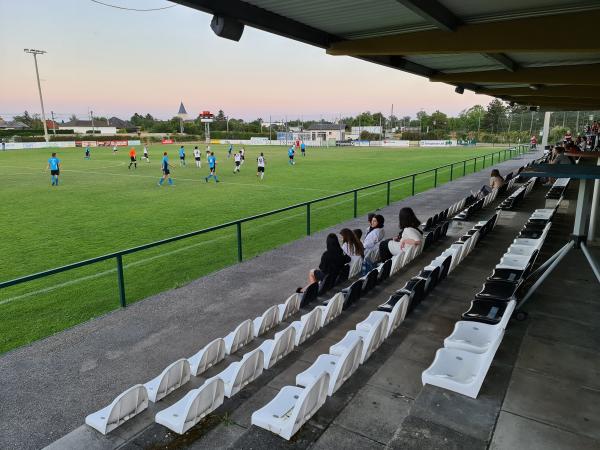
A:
(437, 175)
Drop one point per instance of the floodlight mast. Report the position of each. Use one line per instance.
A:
(37, 74)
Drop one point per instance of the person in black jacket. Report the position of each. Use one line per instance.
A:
(332, 261)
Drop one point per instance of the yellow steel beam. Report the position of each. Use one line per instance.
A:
(584, 74)
(535, 34)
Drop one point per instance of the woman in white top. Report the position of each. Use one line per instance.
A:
(411, 234)
(375, 235)
(351, 245)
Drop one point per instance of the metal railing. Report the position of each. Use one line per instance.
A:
(118, 256)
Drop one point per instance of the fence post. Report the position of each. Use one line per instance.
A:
(355, 204)
(464, 167)
(475, 165)
(492, 159)
(239, 240)
(483, 167)
(121, 281)
(451, 170)
(413, 184)
(308, 219)
(435, 178)
(388, 193)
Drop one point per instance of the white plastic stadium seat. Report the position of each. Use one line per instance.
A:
(372, 339)
(196, 404)
(474, 337)
(339, 368)
(355, 266)
(512, 261)
(174, 376)
(396, 263)
(239, 337)
(332, 310)
(458, 370)
(290, 307)
(524, 250)
(268, 320)
(210, 355)
(127, 405)
(278, 347)
(394, 318)
(240, 373)
(292, 407)
(308, 325)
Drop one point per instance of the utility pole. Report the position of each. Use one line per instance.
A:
(53, 123)
(37, 74)
(270, 138)
(92, 119)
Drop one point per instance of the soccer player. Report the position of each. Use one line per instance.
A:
(197, 156)
(237, 158)
(207, 153)
(132, 158)
(146, 153)
(303, 148)
(242, 154)
(181, 156)
(229, 151)
(291, 155)
(54, 167)
(114, 149)
(87, 152)
(212, 164)
(261, 166)
(166, 170)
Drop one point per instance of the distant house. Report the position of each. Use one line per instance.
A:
(85, 126)
(326, 131)
(12, 125)
(121, 124)
(51, 125)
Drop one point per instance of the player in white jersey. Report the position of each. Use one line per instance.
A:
(237, 158)
(146, 154)
(114, 149)
(197, 156)
(261, 166)
(242, 153)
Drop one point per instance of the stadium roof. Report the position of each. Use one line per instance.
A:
(534, 52)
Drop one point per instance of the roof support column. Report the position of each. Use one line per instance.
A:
(546, 130)
(594, 233)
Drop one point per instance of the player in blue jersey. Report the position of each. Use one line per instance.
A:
(87, 152)
(181, 156)
(212, 164)
(54, 167)
(303, 148)
(166, 170)
(229, 151)
(291, 155)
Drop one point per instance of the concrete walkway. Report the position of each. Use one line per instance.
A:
(49, 387)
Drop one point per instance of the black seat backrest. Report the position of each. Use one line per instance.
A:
(435, 220)
(390, 303)
(444, 229)
(485, 311)
(445, 268)
(415, 287)
(353, 294)
(309, 295)
(428, 240)
(432, 279)
(437, 232)
(343, 275)
(386, 268)
(370, 281)
(428, 223)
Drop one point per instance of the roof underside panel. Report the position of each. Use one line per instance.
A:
(448, 63)
(486, 11)
(347, 18)
(553, 59)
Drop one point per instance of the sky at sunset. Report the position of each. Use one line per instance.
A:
(117, 62)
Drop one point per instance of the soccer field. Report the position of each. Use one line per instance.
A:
(101, 206)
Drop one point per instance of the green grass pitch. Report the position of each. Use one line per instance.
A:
(101, 206)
